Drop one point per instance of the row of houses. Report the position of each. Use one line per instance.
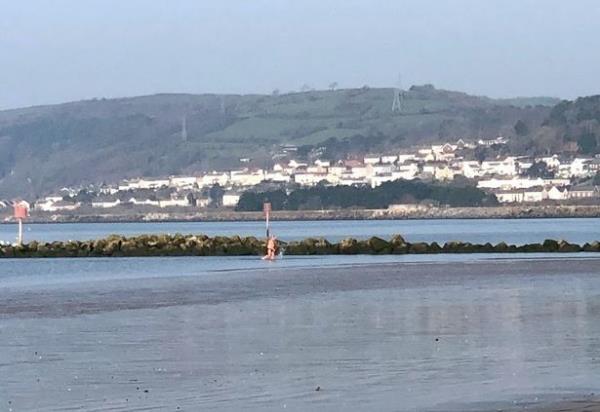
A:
(439, 162)
(505, 176)
(540, 194)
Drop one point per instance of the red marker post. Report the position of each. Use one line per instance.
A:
(267, 211)
(21, 212)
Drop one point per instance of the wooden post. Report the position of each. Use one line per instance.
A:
(267, 211)
(21, 212)
(20, 236)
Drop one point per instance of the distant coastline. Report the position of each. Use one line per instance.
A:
(396, 212)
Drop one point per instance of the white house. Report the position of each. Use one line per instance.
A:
(105, 204)
(502, 167)
(405, 157)
(202, 202)
(143, 202)
(554, 193)
(406, 172)
(316, 169)
(520, 183)
(337, 170)
(47, 204)
(579, 167)
(129, 185)
(372, 160)
(382, 169)
(293, 164)
(361, 172)
(533, 195)
(322, 163)
(152, 183)
(277, 176)
(174, 202)
(509, 196)
(246, 177)
(377, 180)
(470, 169)
(55, 204)
(211, 179)
(583, 192)
(350, 180)
(231, 199)
(183, 182)
(429, 168)
(443, 171)
(553, 162)
(108, 190)
(309, 179)
(491, 142)
(389, 159)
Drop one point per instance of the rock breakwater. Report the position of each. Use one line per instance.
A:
(202, 245)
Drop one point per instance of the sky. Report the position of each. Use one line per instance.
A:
(54, 51)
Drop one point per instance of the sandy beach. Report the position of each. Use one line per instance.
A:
(471, 335)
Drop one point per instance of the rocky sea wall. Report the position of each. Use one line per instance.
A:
(399, 212)
(202, 245)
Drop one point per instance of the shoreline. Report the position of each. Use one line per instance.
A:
(394, 212)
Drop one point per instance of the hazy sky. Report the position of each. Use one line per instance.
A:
(61, 50)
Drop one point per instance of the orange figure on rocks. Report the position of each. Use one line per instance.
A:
(271, 248)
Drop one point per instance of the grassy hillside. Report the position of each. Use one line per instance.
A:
(44, 148)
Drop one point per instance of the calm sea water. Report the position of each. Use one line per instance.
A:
(398, 333)
(515, 231)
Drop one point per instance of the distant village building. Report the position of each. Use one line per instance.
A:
(491, 142)
(183, 182)
(55, 204)
(231, 199)
(174, 202)
(371, 160)
(105, 203)
(247, 177)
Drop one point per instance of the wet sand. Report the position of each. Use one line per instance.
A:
(448, 336)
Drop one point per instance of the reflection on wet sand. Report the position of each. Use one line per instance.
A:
(443, 336)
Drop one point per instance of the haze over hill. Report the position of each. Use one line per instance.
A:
(46, 147)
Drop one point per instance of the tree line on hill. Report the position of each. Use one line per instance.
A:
(381, 197)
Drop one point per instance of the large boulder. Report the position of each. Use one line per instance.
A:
(453, 246)
(378, 245)
(418, 248)
(531, 248)
(348, 246)
(434, 247)
(550, 245)
(8, 251)
(42, 250)
(486, 248)
(501, 247)
(398, 244)
(112, 246)
(566, 247)
(592, 247)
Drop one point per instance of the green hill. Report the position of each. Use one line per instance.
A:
(47, 147)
